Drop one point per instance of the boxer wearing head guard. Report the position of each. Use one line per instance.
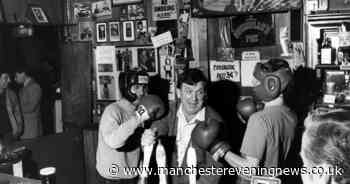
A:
(270, 131)
(130, 82)
(122, 126)
(273, 78)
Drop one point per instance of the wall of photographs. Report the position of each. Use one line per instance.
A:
(121, 32)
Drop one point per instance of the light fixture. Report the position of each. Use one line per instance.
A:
(24, 28)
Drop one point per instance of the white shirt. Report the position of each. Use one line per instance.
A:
(184, 131)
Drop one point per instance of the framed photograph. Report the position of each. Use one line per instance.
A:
(101, 32)
(118, 2)
(147, 60)
(105, 68)
(123, 13)
(102, 8)
(85, 31)
(141, 29)
(114, 31)
(39, 14)
(265, 180)
(106, 87)
(136, 11)
(124, 58)
(128, 31)
(82, 10)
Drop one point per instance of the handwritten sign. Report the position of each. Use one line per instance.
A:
(162, 39)
(164, 11)
(220, 70)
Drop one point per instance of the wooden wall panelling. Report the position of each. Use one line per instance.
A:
(90, 147)
(76, 83)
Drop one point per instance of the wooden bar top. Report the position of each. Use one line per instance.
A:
(9, 179)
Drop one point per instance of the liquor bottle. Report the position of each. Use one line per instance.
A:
(326, 51)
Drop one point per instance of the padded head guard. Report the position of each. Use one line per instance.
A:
(274, 77)
(128, 79)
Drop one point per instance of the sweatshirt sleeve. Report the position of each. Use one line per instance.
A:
(114, 130)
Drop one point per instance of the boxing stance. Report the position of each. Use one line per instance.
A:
(270, 132)
(178, 126)
(121, 126)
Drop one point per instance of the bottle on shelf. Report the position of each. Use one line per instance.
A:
(326, 51)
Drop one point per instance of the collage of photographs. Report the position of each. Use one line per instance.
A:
(131, 24)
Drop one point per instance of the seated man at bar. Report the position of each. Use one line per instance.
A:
(177, 127)
(11, 124)
(121, 127)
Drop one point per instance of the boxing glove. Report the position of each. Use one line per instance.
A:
(246, 108)
(207, 136)
(150, 107)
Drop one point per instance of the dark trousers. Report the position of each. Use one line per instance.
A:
(102, 180)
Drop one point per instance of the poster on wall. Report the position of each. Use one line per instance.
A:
(223, 70)
(85, 31)
(106, 72)
(167, 71)
(252, 31)
(124, 59)
(39, 14)
(102, 8)
(105, 54)
(106, 87)
(81, 10)
(209, 8)
(141, 29)
(136, 11)
(101, 32)
(164, 10)
(147, 60)
(114, 31)
(128, 31)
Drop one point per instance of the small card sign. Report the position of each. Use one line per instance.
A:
(329, 99)
(162, 39)
(251, 55)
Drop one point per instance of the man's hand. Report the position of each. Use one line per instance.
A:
(148, 137)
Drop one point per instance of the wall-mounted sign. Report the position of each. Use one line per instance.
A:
(209, 8)
(252, 31)
(164, 10)
(223, 70)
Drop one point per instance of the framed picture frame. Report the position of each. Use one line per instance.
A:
(125, 58)
(106, 87)
(39, 14)
(128, 31)
(101, 32)
(141, 29)
(114, 31)
(101, 8)
(147, 59)
(86, 31)
(119, 2)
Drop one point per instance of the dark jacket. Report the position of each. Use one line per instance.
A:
(167, 130)
(13, 109)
